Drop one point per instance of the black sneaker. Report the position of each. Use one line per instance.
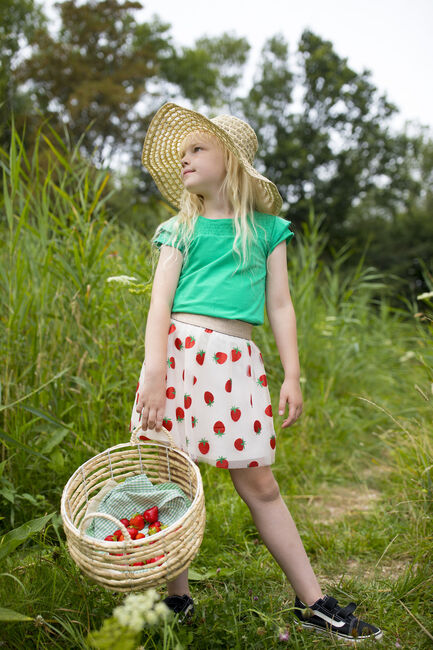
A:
(327, 616)
(182, 606)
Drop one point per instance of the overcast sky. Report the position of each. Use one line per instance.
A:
(391, 38)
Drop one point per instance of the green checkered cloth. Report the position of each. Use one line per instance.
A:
(137, 494)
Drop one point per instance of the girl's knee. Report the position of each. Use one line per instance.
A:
(256, 484)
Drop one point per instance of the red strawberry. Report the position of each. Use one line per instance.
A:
(117, 533)
(222, 462)
(235, 412)
(178, 344)
(272, 442)
(132, 531)
(167, 423)
(193, 421)
(203, 446)
(253, 463)
(151, 515)
(172, 328)
(249, 348)
(208, 330)
(228, 386)
(125, 522)
(140, 536)
(208, 398)
(143, 438)
(248, 371)
(268, 410)
(239, 444)
(171, 362)
(187, 401)
(137, 521)
(154, 559)
(171, 392)
(257, 426)
(219, 428)
(155, 528)
(189, 342)
(138, 564)
(199, 357)
(236, 354)
(110, 538)
(262, 380)
(180, 414)
(220, 357)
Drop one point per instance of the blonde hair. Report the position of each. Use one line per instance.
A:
(242, 193)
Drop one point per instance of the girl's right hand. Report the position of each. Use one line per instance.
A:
(151, 404)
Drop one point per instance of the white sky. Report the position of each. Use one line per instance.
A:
(391, 38)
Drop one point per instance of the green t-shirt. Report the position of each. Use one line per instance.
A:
(209, 282)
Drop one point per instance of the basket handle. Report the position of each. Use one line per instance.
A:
(105, 515)
(135, 430)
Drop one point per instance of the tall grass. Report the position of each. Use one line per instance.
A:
(72, 347)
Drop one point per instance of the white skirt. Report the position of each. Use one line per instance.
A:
(218, 407)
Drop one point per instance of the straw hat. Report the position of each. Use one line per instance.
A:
(168, 128)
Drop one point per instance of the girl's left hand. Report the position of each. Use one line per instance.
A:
(290, 392)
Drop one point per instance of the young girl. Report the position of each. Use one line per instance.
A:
(203, 377)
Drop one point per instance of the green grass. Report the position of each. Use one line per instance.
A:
(355, 470)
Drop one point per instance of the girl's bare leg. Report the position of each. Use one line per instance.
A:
(179, 585)
(259, 489)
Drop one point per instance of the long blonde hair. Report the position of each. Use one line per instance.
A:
(241, 191)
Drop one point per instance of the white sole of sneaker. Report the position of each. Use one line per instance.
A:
(339, 635)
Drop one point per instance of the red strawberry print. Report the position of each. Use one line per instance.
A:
(193, 421)
(144, 438)
(257, 426)
(272, 442)
(138, 385)
(253, 463)
(235, 412)
(171, 392)
(208, 398)
(178, 344)
(171, 362)
(249, 348)
(268, 410)
(194, 381)
(180, 414)
(262, 380)
(183, 375)
(208, 330)
(219, 428)
(222, 462)
(203, 446)
(172, 328)
(189, 342)
(199, 357)
(228, 386)
(248, 371)
(220, 357)
(130, 426)
(167, 423)
(239, 444)
(236, 354)
(251, 400)
(138, 395)
(261, 358)
(187, 401)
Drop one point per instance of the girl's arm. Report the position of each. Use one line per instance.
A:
(152, 396)
(282, 320)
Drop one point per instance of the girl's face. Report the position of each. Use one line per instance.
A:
(203, 167)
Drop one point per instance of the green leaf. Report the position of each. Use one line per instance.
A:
(11, 615)
(17, 536)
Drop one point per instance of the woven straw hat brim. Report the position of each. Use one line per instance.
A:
(168, 128)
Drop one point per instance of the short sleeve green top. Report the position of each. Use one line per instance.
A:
(212, 280)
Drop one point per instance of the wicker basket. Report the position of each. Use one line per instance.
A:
(178, 543)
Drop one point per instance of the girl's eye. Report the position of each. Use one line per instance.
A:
(197, 147)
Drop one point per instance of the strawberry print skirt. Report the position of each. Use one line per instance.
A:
(218, 407)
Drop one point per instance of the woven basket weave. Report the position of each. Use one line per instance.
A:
(179, 542)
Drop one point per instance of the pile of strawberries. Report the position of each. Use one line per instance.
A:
(136, 524)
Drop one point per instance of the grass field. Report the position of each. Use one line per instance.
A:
(355, 470)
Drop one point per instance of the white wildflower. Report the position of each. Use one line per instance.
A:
(122, 279)
(410, 354)
(138, 610)
(425, 296)
(162, 610)
(151, 617)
